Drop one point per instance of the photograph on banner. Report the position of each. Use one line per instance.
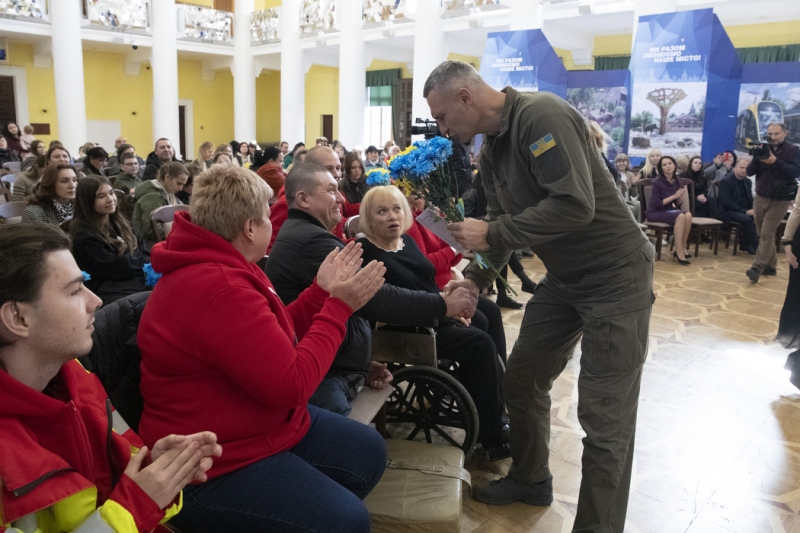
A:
(667, 115)
(762, 104)
(607, 107)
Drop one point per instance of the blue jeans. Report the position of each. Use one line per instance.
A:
(335, 393)
(316, 486)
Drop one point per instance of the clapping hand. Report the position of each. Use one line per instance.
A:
(207, 442)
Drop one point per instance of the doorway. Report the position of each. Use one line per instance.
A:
(327, 127)
(186, 129)
(8, 102)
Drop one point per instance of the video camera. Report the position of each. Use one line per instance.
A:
(760, 150)
(429, 130)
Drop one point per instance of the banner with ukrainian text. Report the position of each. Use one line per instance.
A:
(523, 60)
(685, 76)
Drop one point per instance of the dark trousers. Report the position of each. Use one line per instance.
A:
(479, 372)
(749, 236)
(611, 309)
(316, 486)
(489, 318)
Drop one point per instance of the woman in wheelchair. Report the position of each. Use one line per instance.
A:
(385, 218)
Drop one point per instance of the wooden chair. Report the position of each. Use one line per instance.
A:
(13, 166)
(5, 194)
(657, 229)
(702, 224)
(11, 213)
(164, 215)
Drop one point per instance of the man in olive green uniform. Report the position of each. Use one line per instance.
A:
(548, 188)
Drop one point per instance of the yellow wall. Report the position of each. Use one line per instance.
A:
(212, 102)
(773, 34)
(268, 107)
(472, 60)
(613, 45)
(266, 4)
(41, 88)
(322, 98)
(566, 58)
(380, 64)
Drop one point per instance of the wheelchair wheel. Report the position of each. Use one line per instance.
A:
(427, 402)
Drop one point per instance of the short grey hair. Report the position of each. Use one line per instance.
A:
(303, 177)
(781, 124)
(451, 73)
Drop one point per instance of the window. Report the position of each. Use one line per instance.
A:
(378, 116)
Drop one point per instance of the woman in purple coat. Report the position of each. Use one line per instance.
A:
(669, 203)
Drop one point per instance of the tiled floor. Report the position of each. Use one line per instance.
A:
(718, 437)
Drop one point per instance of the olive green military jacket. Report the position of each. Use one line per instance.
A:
(547, 187)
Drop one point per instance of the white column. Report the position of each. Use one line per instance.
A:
(293, 75)
(526, 15)
(244, 74)
(429, 52)
(164, 62)
(650, 7)
(352, 73)
(68, 73)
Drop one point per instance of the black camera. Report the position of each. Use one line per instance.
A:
(430, 128)
(760, 150)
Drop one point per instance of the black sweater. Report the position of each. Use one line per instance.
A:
(103, 263)
(407, 268)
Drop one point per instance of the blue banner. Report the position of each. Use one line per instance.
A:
(686, 76)
(603, 96)
(523, 60)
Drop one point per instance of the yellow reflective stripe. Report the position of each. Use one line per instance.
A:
(119, 518)
(118, 423)
(172, 510)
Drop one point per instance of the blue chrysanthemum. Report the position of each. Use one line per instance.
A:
(151, 277)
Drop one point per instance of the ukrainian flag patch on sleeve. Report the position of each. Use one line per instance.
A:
(543, 145)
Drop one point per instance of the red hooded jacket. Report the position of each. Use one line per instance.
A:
(220, 352)
(67, 443)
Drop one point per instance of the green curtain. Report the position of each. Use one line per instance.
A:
(770, 54)
(380, 78)
(611, 62)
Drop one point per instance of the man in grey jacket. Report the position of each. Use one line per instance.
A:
(547, 187)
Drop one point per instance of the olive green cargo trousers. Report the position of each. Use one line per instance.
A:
(611, 309)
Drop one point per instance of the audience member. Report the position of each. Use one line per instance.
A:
(58, 154)
(304, 241)
(385, 217)
(789, 326)
(6, 154)
(283, 146)
(629, 179)
(287, 160)
(669, 203)
(223, 159)
(53, 199)
(163, 154)
(185, 194)
(299, 158)
(71, 461)
(156, 193)
(214, 333)
(119, 141)
(128, 178)
(340, 150)
(104, 244)
(221, 149)
(272, 170)
(243, 156)
(321, 141)
(722, 165)
(360, 151)
(115, 160)
(353, 184)
(204, 153)
(682, 163)
(373, 159)
(95, 161)
(776, 187)
(650, 168)
(703, 206)
(37, 148)
(11, 134)
(85, 148)
(735, 204)
(25, 182)
(26, 138)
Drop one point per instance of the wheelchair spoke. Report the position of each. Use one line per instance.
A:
(445, 436)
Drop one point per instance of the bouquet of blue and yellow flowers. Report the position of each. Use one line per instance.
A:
(378, 176)
(422, 169)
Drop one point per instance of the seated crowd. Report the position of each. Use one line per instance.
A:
(285, 346)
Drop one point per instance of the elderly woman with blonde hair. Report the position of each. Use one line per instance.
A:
(385, 220)
(220, 351)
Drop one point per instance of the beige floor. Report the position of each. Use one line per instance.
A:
(718, 437)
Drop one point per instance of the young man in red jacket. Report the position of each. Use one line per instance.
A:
(68, 462)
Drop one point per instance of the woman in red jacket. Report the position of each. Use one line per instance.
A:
(220, 351)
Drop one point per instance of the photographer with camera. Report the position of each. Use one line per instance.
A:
(776, 168)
